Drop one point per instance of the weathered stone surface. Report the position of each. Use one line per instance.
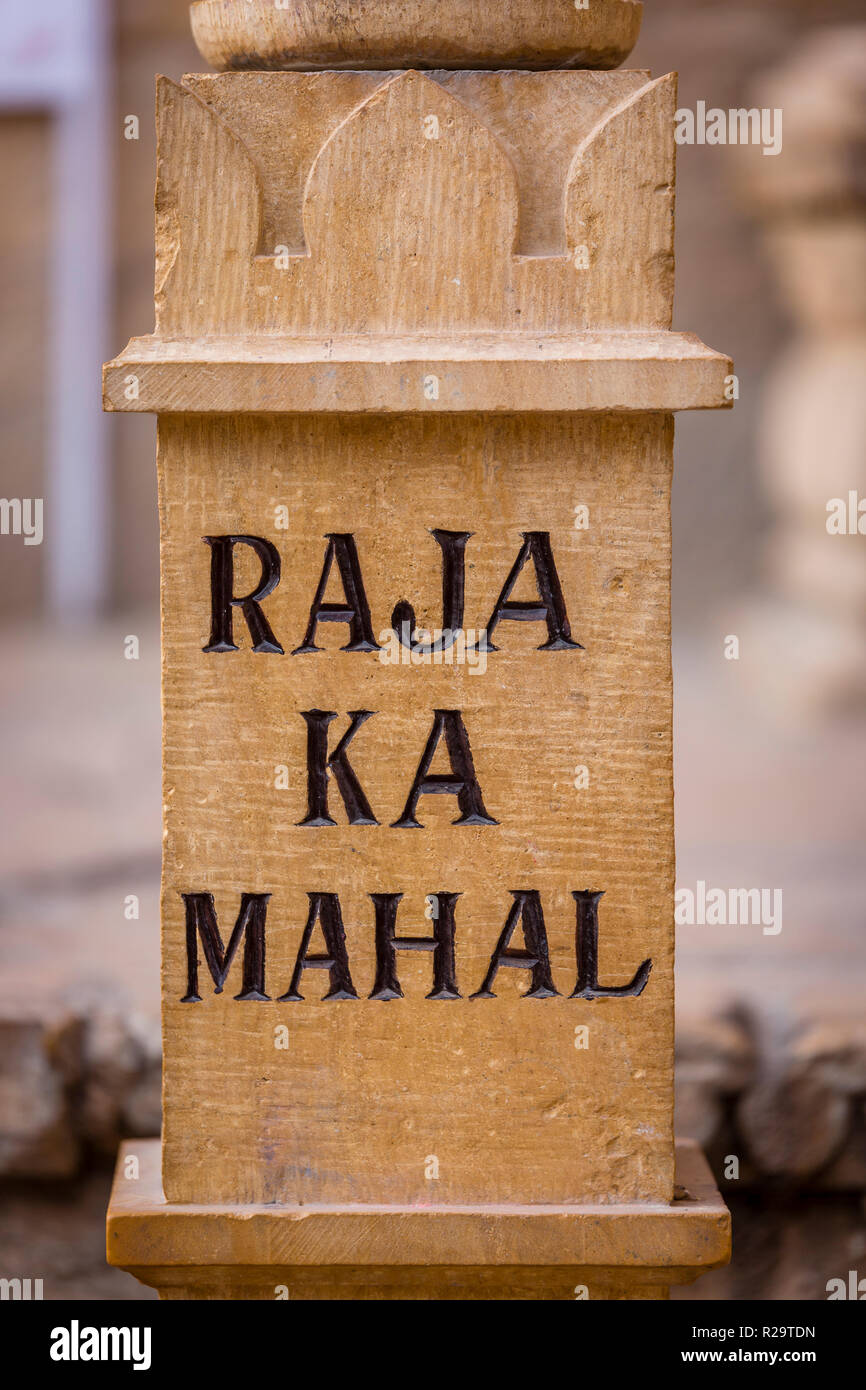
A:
(302, 254)
(425, 1251)
(434, 330)
(410, 33)
(360, 255)
(368, 1090)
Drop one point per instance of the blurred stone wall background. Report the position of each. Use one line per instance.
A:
(725, 291)
(772, 1040)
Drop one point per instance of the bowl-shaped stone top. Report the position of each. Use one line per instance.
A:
(388, 34)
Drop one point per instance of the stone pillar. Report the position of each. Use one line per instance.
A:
(808, 629)
(415, 377)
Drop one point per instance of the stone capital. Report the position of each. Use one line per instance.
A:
(306, 35)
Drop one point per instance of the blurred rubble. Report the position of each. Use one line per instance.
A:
(40, 1071)
(71, 1087)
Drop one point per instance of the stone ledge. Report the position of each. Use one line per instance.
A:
(496, 373)
(191, 1251)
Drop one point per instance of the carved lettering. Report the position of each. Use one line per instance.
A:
(201, 921)
(324, 908)
(355, 611)
(319, 764)
(453, 547)
(224, 599)
(586, 952)
(551, 606)
(462, 782)
(441, 943)
(526, 910)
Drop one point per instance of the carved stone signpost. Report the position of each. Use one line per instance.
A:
(415, 377)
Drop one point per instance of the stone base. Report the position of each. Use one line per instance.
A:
(434, 1252)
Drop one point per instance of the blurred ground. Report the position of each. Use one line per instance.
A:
(58, 1233)
(81, 771)
(762, 803)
